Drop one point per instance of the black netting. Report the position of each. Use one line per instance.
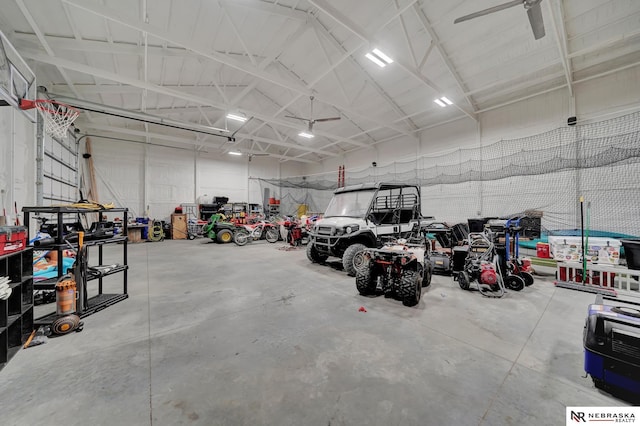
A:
(546, 172)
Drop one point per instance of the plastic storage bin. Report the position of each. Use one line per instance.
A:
(632, 253)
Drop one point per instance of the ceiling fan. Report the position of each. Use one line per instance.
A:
(534, 12)
(311, 121)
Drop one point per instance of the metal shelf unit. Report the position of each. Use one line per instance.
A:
(16, 313)
(85, 306)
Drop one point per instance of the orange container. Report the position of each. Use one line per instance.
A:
(65, 297)
(272, 200)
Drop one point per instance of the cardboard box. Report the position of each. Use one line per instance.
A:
(600, 250)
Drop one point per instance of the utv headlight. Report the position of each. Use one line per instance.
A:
(351, 228)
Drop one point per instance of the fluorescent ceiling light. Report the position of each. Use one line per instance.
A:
(234, 153)
(305, 135)
(443, 101)
(375, 60)
(379, 58)
(237, 117)
(382, 56)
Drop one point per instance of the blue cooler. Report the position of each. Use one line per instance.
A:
(612, 345)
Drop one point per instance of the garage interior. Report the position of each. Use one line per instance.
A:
(261, 109)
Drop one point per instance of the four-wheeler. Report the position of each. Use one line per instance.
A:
(260, 231)
(611, 341)
(399, 269)
(363, 216)
(221, 232)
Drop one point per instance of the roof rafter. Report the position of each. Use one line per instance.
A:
(435, 42)
(176, 94)
(561, 41)
(116, 16)
(343, 20)
(176, 139)
(43, 41)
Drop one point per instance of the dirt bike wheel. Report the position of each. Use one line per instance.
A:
(241, 238)
(271, 235)
(411, 288)
(514, 282)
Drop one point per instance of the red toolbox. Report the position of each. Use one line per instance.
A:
(12, 239)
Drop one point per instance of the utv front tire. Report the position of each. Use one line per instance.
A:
(411, 288)
(353, 258)
(313, 254)
(366, 280)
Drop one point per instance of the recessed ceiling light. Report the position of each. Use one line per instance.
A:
(236, 117)
(234, 153)
(439, 102)
(379, 58)
(306, 135)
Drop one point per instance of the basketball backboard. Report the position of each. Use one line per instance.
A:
(17, 81)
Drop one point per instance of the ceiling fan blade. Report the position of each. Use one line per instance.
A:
(297, 118)
(489, 10)
(318, 120)
(535, 19)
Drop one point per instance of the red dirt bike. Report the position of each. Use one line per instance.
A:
(260, 231)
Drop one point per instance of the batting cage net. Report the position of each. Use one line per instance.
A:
(546, 173)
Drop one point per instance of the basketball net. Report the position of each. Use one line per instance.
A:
(56, 115)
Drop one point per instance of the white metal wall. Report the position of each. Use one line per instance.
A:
(147, 177)
(17, 165)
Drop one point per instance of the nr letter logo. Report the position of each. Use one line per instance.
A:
(577, 416)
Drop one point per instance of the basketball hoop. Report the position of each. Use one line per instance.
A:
(57, 116)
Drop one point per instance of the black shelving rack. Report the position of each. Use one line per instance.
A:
(16, 312)
(85, 306)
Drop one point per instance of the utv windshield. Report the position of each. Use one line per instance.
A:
(350, 204)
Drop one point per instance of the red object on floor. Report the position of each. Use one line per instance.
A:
(362, 309)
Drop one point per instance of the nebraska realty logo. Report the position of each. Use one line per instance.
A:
(582, 415)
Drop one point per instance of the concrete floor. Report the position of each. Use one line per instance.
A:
(226, 335)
